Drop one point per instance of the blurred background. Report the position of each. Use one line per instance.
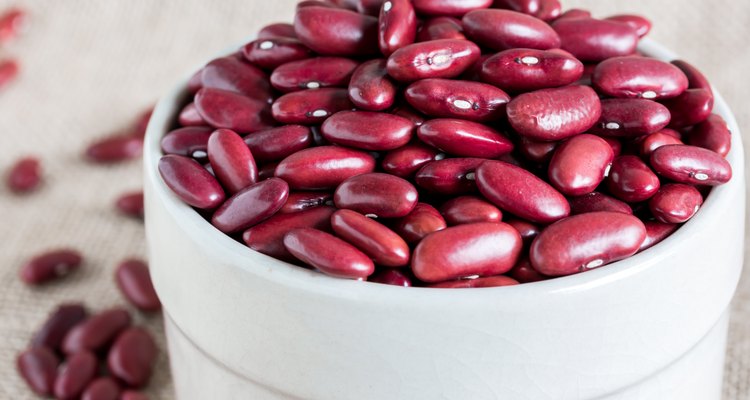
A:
(89, 68)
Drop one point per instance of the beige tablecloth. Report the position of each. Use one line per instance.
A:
(89, 66)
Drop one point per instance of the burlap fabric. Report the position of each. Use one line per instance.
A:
(90, 66)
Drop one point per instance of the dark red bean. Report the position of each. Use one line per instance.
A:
(131, 204)
(457, 99)
(397, 26)
(57, 325)
(536, 151)
(675, 203)
(691, 164)
(9, 69)
(450, 8)
(370, 88)
(631, 118)
(489, 281)
(523, 272)
(574, 13)
(132, 356)
(505, 29)
(331, 31)
(50, 265)
(406, 160)
(381, 244)
(313, 73)
(479, 249)
(251, 205)
(523, 70)
(369, 7)
(450, 176)
(440, 28)
(381, 195)
(580, 164)
(693, 106)
(310, 106)
(420, 222)
(134, 281)
(104, 388)
(445, 58)
(615, 143)
(696, 79)
(596, 201)
(268, 236)
(639, 77)
(526, 229)
(323, 167)
(631, 180)
(367, 130)
(24, 175)
(656, 140)
(232, 162)
(554, 114)
(38, 367)
(278, 143)
(327, 253)
(641, 25)
(542, 9)
(232, 74)
(75, 375)
(186, 141)
(712, 134)
(406, 111)
(299, 201)
(390, 277)
(223, 109)
(189, 116)
(277, 30)
(469, 209)
(464, 138)
(656, 232)
(12, 23)
(114, 149)
(266, 172)
(270, 53)
(97, 332)
(586, 241)
(191, 182)
(594, 40)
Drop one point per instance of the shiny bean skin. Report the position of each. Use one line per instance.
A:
(134, 281)
(526, 229)
(300, 201)
(580, 164)
(483, 282)
(103, 388)
(523, 70)
(132, 357)
(370, 87)
(656, 232)
(38, 367)
(440, 28)
(690, 164)
(313, 73)
(469, 209)
(445, 58)
(692, 107)
(277, 30)
(381, 244)
(641, 25)
(191, 182)
(464, 138)
(597, 201)
(631, 118)
(405, 161)
(57, 325)
(523, 272)
(323, 167)
(270, 53)
(25, 175)
(586, 241)
(367, 130)
(675, 203)
(96, 332)
(554, 114)
(595, 40)
(339, 32)
(654, 141)
(390, 277)
(631, 180)
(397, 25)
(186, 141)
(327, 253)
(505, 29)
(278, 143)
(536, 151)
(451, 176)
(378, 194)
(114, 149)
(457, 99)
(309, 107)
(50, 265)
(234, 75)
(696, 79)
(232, 162)
(639, 77)
(223, 109)
(712, 134)
(189, 116)
(75, 375)
(251, 205)
(268, 236)
(479, 249)
(420, 222)
(615, 143)
(449, 8)
(521, 193)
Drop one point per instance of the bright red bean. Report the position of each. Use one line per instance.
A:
(50, 265)
(104, 388)
(327, 253)
(251, 205)
(382, 195)
(696, 79)
(38, 367)
(631, 118)
(268, 236)
(631, 180)
(654, 141)
(690, 164)
(270, 53)
(381, 244)
(131, 204)
(397, 25)
(331, 31)
(75, 375)
(58, 324)
(405, 161)
(313, 73)
(451, 176)
(449, 7)
(693, 106)
(712, 134)
(278, 143)
(390, 277)
(370, 88)
(469, 209)
(523, 70)
(420, 222)
(191, 182)
(505, 29)
(223, 109)
(277, 30)
(457, 99)
(24, 175)
(97, 332)
(186, 141)
(464, 138)
(134, 281)
(596, 201)
(9, 69)
(440, 28)
(232, 74)
(594, 40)
(310, 106)
(367, 130)
(639, 77)
(232, 162)
(641, 25)
(445, 58)
(675, 203)
(323, 167)
(656, 232)
(114, 149)
(132, 356)
(580, 164)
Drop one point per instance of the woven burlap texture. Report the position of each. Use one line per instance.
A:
(89, 66)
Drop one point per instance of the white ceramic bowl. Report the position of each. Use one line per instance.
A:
(242, 325)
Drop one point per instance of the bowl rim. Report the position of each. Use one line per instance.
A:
(224, 248)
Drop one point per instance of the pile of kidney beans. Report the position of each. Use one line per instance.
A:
(447, 143)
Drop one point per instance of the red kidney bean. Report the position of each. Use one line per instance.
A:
(554, 114)
(103, 388)
(712, 134)
(406, 160)
(78, 371)
(631, 118)
(97, 332)
(299, 201)
(522, 70)
(594, 40)
(25, 175)
(277, 30)
(115, 149)
(520, 192)
(186, 141)
(390, 277)
(310, 106)
(450, 176)
(331, 31)
(251, 205)
(367, 130)
(132, 356)
(505, 29)
(597, 201)
(479, 249)
(574, 13)
(693, 106)
(464, 138)
(369, 7)
(420, 222)
(38, 367)
(536, 151)
(381, 244)
(370, 88)
(675, 203)
(268, 236)
(278, 143)
(57, 325)
(654, 141)
(189, 116)
(327, 253)
(656, 232)
(232, 74)
(543, 9)
(440, 28)
(382, 195)
(523, 272)
(133, 280)
(270, 53)
(615, 143)
(526, 229)
(323, 167)
(223, 109)
(397, 25)
(631, 180)
(313, 73)
(50, 265)
(457, 99)
(469, 209)
(691, 164)
(8, 71)
(580, 164)
(489, 281)
(586, 241)
(639, 77)
(232, 162)
(449, 8)
(445, 58)
(696, 79)
(12, 22)
(641, 25)
(191, 182)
